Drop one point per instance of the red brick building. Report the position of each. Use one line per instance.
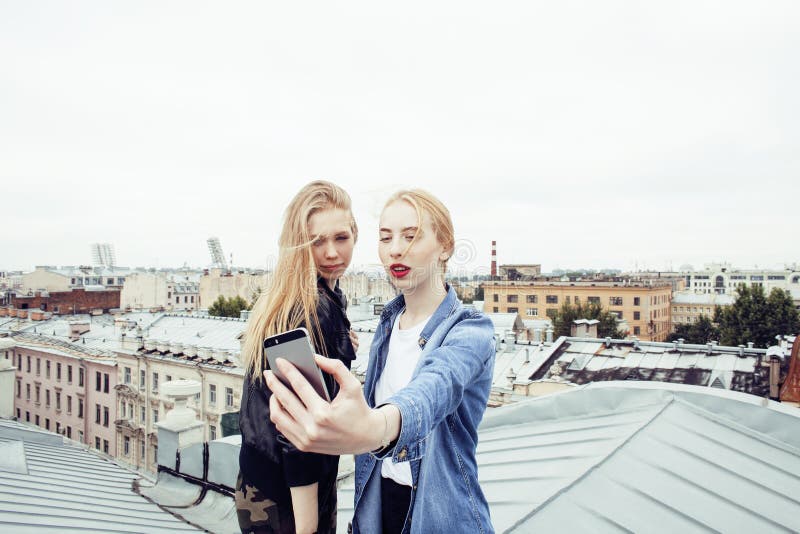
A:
(68, 302)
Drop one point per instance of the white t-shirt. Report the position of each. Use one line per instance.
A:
(404, 353)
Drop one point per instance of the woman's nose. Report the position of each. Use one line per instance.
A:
(330, 250)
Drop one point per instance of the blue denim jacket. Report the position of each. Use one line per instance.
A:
(441, 409)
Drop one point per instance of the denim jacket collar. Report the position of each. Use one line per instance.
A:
(446, 307)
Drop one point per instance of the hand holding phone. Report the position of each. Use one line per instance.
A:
(295, 347)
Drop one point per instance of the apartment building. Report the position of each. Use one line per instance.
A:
(160, 290)
(722, 278)
(688, 306)
(52, 278)
(66, 389)
(174, 347)
(643, 305)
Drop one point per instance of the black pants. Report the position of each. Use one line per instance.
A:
(395, 502)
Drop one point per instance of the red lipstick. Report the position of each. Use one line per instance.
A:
(398, 270)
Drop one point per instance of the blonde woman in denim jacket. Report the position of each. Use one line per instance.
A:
(414, 427)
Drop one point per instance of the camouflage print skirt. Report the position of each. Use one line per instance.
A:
(259, 513)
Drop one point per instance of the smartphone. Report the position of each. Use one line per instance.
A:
(295, 347)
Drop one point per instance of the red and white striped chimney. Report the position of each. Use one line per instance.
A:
(494, 259)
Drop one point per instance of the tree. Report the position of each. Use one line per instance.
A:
(562, 321)
(700, 332)
(232, 307)
(757, 318)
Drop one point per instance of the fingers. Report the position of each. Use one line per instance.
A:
(339, 372)
(311, 401)
(285, 397)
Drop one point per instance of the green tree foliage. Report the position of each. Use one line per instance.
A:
(562, 321)
(756, 317)
(700, 332)
(223, 307)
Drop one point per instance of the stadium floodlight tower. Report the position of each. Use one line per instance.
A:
(103, 255)
(217, 257)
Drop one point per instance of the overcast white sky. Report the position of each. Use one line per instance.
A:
(575, 133)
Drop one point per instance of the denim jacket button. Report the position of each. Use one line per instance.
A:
(402, 454)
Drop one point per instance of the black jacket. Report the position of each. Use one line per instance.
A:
(262, 444)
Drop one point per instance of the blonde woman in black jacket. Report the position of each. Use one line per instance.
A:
(280, 489)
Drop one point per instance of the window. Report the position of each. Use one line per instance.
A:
(47, 368)
(58, 401)
(192, 299)
(105, 416)
(566, 299)
(58, 427)
(142, 379)
(19, 362)
(28, 365)
(551, 299)
(105, 446)
(636, 316)
(97, 413)
(28, 417)
(80, 376)
(80, 408)
(495, 298)
(38, 366)
(155, 415)
(177, 299)
(127, 446)
(127, 375)
(58, 371)
(155, 382)
(512, 298)
(123, 406)
(185, 299)
(615, 301)
(36, 420)
(212, 432)
(69, 432)
(494, 309)
(169, 379)
(757, 277)
(229, 397)
(97, 443)
(532, 312)
(141, 449)
(636, 330)
(532, 299)
(617, 314)
(98, 386)
(38, 394)
(551, 312)
(143, 415)
(47, 398)
(19, 414)
(105, 383)
(776, 277)
(110, 282)
(212, 394)
(69, 374)
(513, 309)
(69, 404)
(593, 300)
(47, 423)
(636, 301)
(27, 392)
(80, 436)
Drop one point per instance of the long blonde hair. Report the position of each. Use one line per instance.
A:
(291, 297)
(424, 202)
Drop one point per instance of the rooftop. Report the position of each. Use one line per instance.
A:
(49, 483)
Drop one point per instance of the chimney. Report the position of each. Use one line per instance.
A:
(494, 260)
(741, 350)
(180, 428)
(537, 335)
(511, 338)
(549, 334)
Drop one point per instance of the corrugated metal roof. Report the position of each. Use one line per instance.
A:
(70, 489)
(214, 333)
(638, 457)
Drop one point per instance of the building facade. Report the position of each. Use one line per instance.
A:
(645, 306)
(66, 391)
(723, 279)
(688, 306)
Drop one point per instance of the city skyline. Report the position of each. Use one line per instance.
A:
(611, 136)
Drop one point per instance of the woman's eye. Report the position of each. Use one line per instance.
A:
(410, 237)
(385, 239)
(317, 243)
(342, 238)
